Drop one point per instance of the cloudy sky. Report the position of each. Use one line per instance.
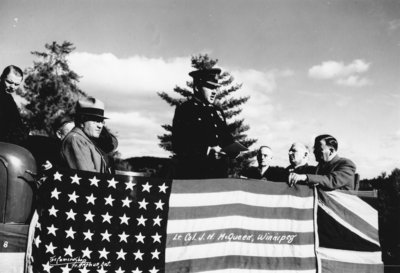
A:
(310, 67)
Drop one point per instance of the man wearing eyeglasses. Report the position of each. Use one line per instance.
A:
(333, 172)
(11, 127)
(79, 149)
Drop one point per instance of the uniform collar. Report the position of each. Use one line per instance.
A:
(200, 101)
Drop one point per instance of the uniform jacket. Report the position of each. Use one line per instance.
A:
(80, 153)
(195, 127)
(338, 173)
(11, 127)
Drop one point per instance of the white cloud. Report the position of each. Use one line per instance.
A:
(261, 112)
(137, 133)
(259, 86)
(353, 80)
(137, 73)
(121, 81)
(342, 74)
(394, 24)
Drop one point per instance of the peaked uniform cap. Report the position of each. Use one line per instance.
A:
(90, 107)
(207, 76)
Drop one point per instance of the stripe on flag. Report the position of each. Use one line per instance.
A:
(239, 226)
(360, 217)
(348, 234)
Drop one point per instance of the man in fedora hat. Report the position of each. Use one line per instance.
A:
(79, 149)
(199, 130)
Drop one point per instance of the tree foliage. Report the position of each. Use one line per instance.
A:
(230, 105)
(51, 88)
(388, 186)
(389, 210)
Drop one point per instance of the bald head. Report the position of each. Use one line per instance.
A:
(298, 154)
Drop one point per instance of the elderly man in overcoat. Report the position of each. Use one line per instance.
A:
(79, 149)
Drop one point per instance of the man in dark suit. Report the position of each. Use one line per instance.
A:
(264, 171)
(199, 130)
(298, 158)
(12, 129)
(333, 172)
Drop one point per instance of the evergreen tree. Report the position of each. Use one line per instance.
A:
(229, 104)
(50, 88)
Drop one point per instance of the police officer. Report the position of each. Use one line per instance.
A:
(199, 130)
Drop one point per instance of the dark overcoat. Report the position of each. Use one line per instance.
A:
(12, 129)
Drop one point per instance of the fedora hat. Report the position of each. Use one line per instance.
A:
(208, 77)
(91, 107)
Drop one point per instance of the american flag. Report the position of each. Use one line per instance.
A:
(89, 222)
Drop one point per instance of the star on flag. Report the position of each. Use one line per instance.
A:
(102, 219)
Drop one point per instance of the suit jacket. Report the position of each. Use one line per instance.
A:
(195, 127)
(336, 174)
(12, 129)
(271, 174)
(304, 169)
(80, 153)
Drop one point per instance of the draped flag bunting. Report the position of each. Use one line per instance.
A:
(94, 223)
(233, 225)
(348, 234)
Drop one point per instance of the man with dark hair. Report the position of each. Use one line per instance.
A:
(11, 127)
(333, 172)
(199, 130)
(79, 149)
